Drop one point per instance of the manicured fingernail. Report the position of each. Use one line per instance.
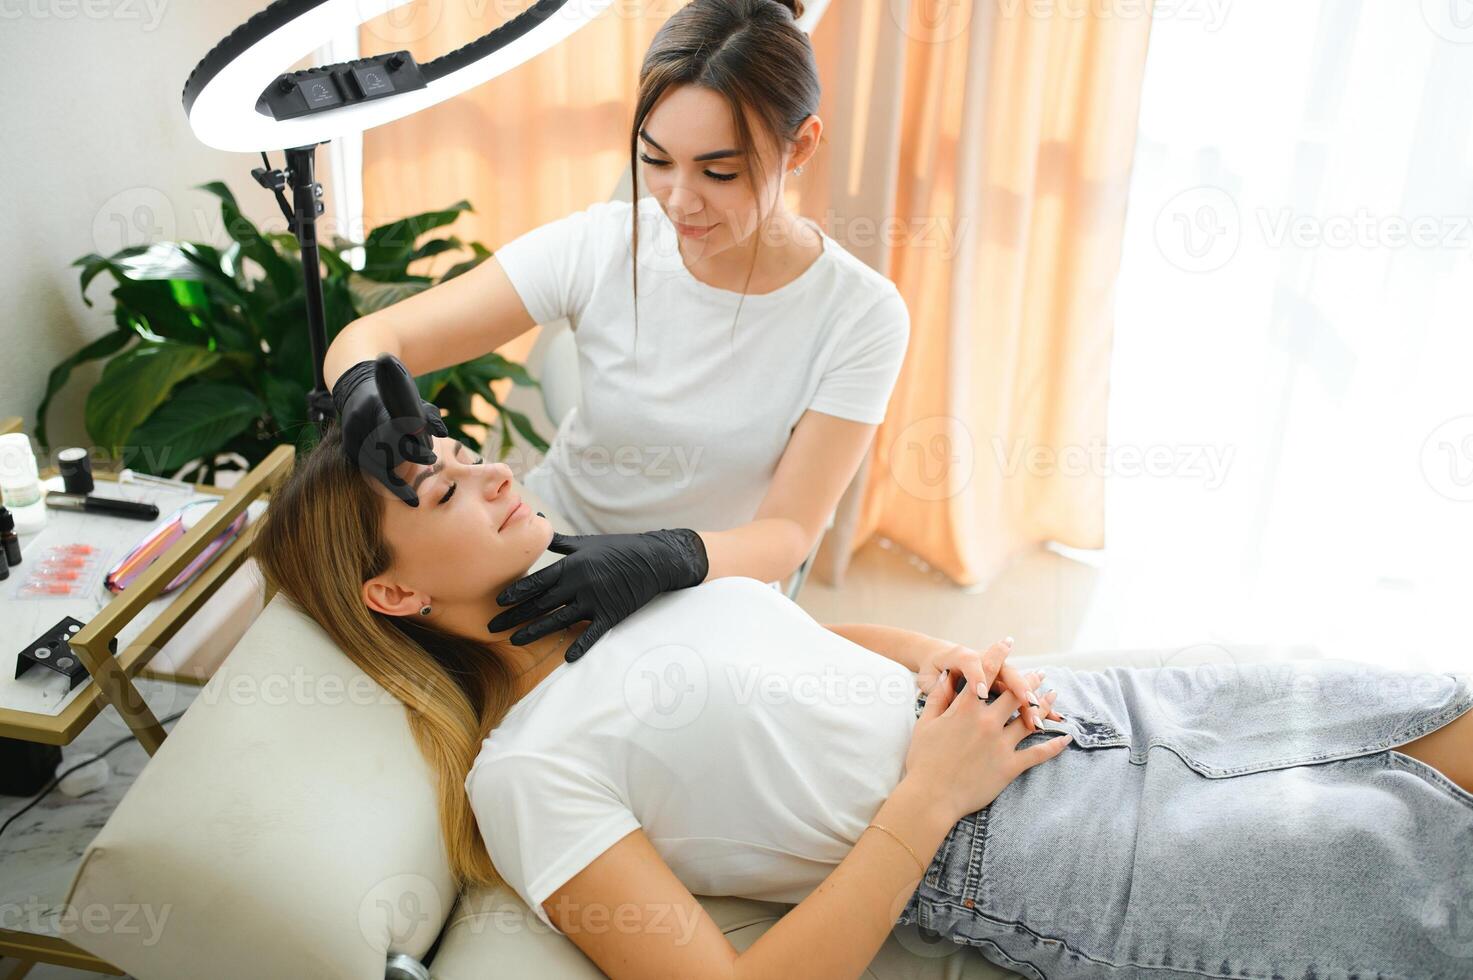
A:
(1032, 699)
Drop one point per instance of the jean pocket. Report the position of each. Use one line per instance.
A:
(1432, 776)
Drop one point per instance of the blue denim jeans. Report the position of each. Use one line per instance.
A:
(1232, 820)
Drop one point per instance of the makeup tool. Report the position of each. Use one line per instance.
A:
(103, 505)
(133, 476)
(75, 466)
(161, 538)
(53, 650)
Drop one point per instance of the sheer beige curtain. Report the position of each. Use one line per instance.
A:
(977, 153)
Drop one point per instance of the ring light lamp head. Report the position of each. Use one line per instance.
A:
(241, 97)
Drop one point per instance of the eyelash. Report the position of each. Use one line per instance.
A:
(478, 459)
(665, 163)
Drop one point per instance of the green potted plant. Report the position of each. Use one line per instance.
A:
(210, 356)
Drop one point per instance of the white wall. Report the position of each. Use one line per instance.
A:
(97, 154)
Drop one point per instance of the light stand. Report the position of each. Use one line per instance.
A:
(301, 219)
(240, 97)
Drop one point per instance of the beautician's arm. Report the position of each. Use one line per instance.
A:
(822, 456)
(449, 323)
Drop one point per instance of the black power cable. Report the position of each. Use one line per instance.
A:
(55, 780)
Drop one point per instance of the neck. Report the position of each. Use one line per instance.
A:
(531, 662)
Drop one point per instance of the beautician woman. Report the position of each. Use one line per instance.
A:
(723, 414)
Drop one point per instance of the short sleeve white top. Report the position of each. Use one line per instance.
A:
(685, 427)
(750, 743)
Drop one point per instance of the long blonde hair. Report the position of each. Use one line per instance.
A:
(320, 540)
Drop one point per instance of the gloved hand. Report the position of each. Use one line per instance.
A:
(385, 422)
(604, 578)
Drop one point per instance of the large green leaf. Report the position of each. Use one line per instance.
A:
(493, 367)
(335, 263)
(370, 296)
(197, 421)
(388, 248)
(167, 308)
(109, 343)
(216, 270)
(481, 254)
(254, 245)
(523, 425)
(286, 401)
(208, 320)
(431, 383)
(94, 265)
(337, 308)
(135, 383)
(435, 246)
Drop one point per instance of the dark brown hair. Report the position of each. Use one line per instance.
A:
(751, 52)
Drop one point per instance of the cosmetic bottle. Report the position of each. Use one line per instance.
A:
(9, 541)
(20, 482)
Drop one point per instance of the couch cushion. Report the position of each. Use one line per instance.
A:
(492, 934)
(286, 827)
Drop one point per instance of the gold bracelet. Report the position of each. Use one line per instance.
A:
(921, 864)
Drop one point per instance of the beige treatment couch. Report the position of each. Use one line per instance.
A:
(287, 828)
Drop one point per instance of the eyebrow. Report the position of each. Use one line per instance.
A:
(713, 155)
(425, 474)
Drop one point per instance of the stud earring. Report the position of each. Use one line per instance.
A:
(797, 170)
(425, 609)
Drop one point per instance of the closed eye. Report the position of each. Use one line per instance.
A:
(665, 163)
(450, 491)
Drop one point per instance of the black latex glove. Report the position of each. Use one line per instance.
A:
(385, 422)
(604, 578)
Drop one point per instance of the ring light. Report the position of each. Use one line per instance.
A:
(241, 97)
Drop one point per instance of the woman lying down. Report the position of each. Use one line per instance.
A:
(1304, 819)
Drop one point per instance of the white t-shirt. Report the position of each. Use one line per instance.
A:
(692, 437)
(752, 745)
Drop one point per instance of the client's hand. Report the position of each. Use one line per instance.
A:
(964, 750)
(982, 672)
(604, 578)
